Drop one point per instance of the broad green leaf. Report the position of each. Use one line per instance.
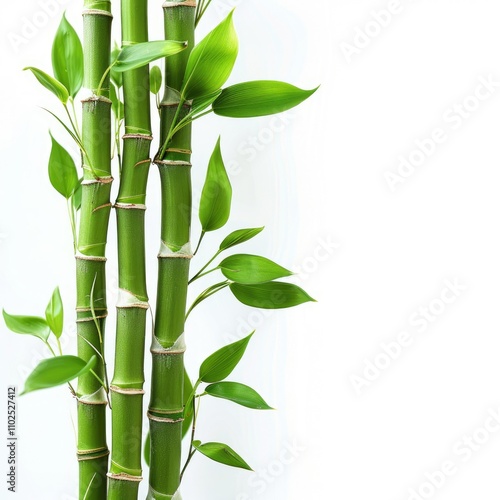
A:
(239, 236)
(215, 203)
(271, 295)
(211, 61)
(50, 83)
(29, 325)
(116, 76)
(258, 98)
(67, 57)
(221, 363)
(188, 412)
(147, 449)
(248, 269)
(155, 80)
(55, 313)
(221, 453)
(76, 199)
(140, 54)
(57, 371)
(62, 170)
(116, 105)
(238, 393)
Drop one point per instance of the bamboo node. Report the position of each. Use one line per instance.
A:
(127, 300)
(93, 258)
(164, 420)
(130, 206)
(98, 180)
(122, 476)
(125, 391)
(185, 252)
(96, 12)
(173, 163)
(179, 346)
(92, 318)
(145, 137)
(179, 3)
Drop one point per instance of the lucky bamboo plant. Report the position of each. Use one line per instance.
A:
(117, 87)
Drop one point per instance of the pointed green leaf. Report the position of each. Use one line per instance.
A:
(258, 98)
(211, 61)
(67, 57)
(55, 313)
(215, 203)
(238, 393)
(62, 170)
(116, 105)
(202, 103)
(221, 453)
(116, 76)
(271, 295)
(248, 269)
(28, 325)
(221, 363)
(147, 449)
(50, 83)
(239, 236)
(57, 371)
(155, 80)
(140, 54)
(188, 412)
(76, 199)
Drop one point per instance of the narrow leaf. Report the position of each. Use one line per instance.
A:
(62, 170)
(239, 236)
(211, 61)
(116, 105)
(188, 412)
(221, 363)
(271, 295)
(248, 269)
(76, 199)
(221, 453)
(140, 54)
(50, 83)
(155, 79)
(147, 449)
(215, 203)
(238, 393)
(55, 313)
(116, 76)
(67, 57)
(29, 325)
(258, 98)
(202, 103)
(57, 371)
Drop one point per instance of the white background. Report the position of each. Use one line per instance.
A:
(318, 182)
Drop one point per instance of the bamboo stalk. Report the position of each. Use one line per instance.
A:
(166, 404)
(128, 380)
(90, 255)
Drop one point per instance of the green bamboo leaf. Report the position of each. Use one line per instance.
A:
(116, 105)
(221, 453)
(155, 79)
(221, 363)
(239, 236)
(188, 412)
(54, 313)
(147, 449)
(140, 54)
(211, 61)
(202, 103)
(67, 57)
(27, 325)
(248, 269)
(76, 199)
(116, 76)
(215, 203)
(238, 393)
(271, 295)
(258, 98)
(50, 83)
(62, 170)
(57, 371)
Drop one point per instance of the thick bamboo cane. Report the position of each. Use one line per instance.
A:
(166, 404)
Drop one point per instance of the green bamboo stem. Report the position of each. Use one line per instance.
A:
(166, 405)
(128, 380)
(90, 255)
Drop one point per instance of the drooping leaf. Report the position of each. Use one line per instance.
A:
(239, 236)
(67, 57)
(271, 295)
(188, 412)
(62, 170)
(116, 105)
(248, 269)
(221, 453)
(258, 98)
(116, 76)
(54, 313)
(140, 54)
(215, 203)
(57, 371)
(238, 393)
(76, 199)
(155, 79)
(211, 61)
(221, 363)
(28, 325)
(147, 449)
(50, 83)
